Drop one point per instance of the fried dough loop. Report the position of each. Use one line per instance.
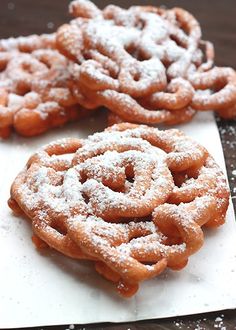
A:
(222, 82)
(29, 43)
(132, 199)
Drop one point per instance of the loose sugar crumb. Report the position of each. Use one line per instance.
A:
(202, 323)
(11, 6)
(50, 25)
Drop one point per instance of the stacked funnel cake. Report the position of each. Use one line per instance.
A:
(34, 86)
(131, 199)
(145, 64)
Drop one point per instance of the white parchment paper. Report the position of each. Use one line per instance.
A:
(51, 289)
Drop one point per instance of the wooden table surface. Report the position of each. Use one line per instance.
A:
(217, 18)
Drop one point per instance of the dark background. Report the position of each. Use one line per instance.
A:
(217, 18)
(218, 22)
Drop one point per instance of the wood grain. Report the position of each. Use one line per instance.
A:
(217, 18)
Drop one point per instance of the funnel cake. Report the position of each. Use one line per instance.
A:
(34, 86)
(145, 64)
(132, 199)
